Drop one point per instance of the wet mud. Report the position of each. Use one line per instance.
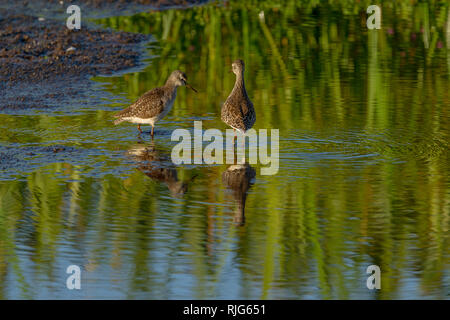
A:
(46, 54)
(45, 67)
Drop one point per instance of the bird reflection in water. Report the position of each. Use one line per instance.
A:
(158, 166)
(239, 178)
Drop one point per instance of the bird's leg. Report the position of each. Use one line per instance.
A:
(243, 150)
(152, 131)
(235, 136)
(139, 128)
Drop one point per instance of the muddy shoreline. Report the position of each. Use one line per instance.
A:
(92, 8)
(124, 4)
(34, 50)
(41, 60)
(40, 52)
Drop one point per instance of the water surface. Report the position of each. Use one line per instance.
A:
(364, 172)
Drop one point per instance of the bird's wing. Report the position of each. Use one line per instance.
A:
(149, 105)
(243, 118)
(248, 114)
(244, 109)
(231, 117)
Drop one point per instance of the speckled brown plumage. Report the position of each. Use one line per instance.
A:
(238, 111)
(155, 104)
(149, 105)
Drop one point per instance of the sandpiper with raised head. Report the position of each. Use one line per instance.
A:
(155, 104)
(238, 111)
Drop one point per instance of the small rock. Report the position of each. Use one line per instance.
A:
(70, 49)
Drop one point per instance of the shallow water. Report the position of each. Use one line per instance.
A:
(364, 173)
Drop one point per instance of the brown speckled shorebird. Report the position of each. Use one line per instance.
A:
(238, 111)
(155, 104)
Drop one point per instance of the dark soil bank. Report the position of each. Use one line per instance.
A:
(33, 50)
(43, 63)
(37, 53)
(122, 4)
(91, 8)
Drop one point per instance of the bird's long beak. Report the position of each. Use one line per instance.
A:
(190, 87)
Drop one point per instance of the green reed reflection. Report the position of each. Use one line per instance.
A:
(298, 43)
(364, 171)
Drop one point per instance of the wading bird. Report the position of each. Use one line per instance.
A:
(238, 111)
(155, 104)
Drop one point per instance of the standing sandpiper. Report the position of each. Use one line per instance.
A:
(155, 104)
(238, 111)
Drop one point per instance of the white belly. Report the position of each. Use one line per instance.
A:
(140, 120)
(239, 130)
(155, 119)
